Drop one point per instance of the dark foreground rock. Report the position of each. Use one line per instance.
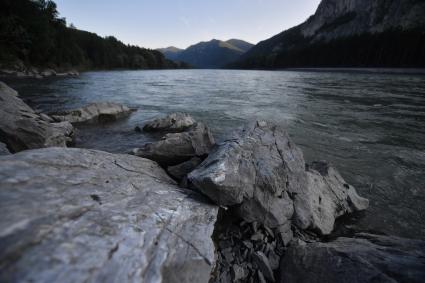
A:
(180, 171)
(174, 122)
(365, 258)
(99, 112)
(3, 149)
(175, 148)
(21, 128)
(75, 215)
(262, 172)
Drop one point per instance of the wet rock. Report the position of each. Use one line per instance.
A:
(175, 148)
(100, 112)
(365, 258)
(22, 128)
(264, 265)
(77, 215)
(3, 149)
(179, 171)
(175, 122)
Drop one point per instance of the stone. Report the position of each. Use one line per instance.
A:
(3, 149)
(48, 73)
(364, 258)
(79, 215)
(263, 264)
(99, 112)
(238, 273)
(174, 122)
(273, 260)
(262, 173)
(175, 148)
(327, 197)
(261, 278)
(179, 171)
(22, 128)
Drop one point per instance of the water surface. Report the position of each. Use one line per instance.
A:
(371, 126)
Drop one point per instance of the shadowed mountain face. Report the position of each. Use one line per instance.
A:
(212, 54)
(348, 33)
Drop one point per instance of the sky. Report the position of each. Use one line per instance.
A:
(162, 23)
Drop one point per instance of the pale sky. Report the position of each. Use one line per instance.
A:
(180, 23)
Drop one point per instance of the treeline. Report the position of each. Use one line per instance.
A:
(32, 33)
(392, 48)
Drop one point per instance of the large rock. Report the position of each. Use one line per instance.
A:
(76, 215)
(175, 148)
(3, 149)
(21, 128)
(174, 122)
(99, 112)
(179, 171)
(263, 172)
(365, 258)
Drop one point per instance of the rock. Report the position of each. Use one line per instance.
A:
(48, 73)
(327, 197)
(238, 273)
(175, 148)
(3, 149)
(365, 258)
(181, 170)
(255, 169)
(261, 278)
(175, 122)
(99, 112)
(264, 266)
(78, 215)
(21, 128)
(262, 172)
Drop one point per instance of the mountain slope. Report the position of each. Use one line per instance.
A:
(210, 54)
(349, 33)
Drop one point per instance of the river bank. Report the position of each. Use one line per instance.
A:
(248, 212)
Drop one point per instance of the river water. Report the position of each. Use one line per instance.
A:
(370, 126)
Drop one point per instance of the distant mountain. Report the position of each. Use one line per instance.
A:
(171, 52)
(210, 54)
(348, 33)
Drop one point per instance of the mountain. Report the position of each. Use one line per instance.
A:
(33, 35)
(348, 33)
(210, 54)
(171, 52)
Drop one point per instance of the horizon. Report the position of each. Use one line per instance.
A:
(184, 23)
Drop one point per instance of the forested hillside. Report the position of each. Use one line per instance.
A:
(33, 34)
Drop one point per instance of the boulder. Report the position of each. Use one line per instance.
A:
(365, 258)
(179, 171)
(175, 148)
(99, 112)
(262, 172)
(175, 122)
(3, 149)
(78, 215)
(22, 128)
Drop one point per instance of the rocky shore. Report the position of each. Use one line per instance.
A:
(19, 70)
(180, 209)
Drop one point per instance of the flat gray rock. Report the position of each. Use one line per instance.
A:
(77, 215)
(365, 258)
(21, 128)
(175, 148)
(99, 112)
(263, 172)
(174, 122)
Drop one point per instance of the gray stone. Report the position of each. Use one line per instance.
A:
(21, 128)
(365, 258)
(99, 112)
(261, 278)
(238, 273)
(263, 264)
(175, 148)
(3, 149)
(262, 172)
(174, 122)
(77, 215)
(181, 170)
